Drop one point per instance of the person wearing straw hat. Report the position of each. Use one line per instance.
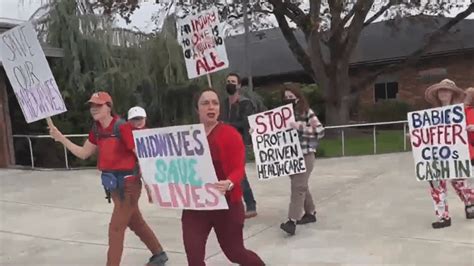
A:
(442, 94)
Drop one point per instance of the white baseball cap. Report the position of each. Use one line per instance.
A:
(136, 111)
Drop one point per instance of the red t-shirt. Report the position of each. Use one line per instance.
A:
(122, 151)
(125, 129)
(228, 157)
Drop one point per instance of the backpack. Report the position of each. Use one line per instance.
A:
(113, 180)
(255, 99)
(115, 131)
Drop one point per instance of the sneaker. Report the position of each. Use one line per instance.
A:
(250, 214)
(443, 222)
(469, 211)
(289, 227)
(158, 259)
(307, 218)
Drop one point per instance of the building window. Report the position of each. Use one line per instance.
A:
(385, 91)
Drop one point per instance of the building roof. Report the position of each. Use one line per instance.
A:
(379, 42)
(48, 50)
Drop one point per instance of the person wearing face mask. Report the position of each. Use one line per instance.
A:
(111, 138)
(443, 94)
(235, 111)
(301, 208)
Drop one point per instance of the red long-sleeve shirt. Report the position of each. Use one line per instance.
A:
(228, 157)
(469, 110)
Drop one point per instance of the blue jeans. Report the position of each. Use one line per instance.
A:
(250, 203)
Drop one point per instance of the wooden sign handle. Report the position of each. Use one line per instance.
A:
(209, 82)
(50, 122)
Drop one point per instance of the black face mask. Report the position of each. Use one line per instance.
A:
(231, 88)
(288, 101)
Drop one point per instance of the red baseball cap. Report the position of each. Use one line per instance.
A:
(100, 97)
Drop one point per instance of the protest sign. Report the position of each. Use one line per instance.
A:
(439, 142)
(202, 43)
(177, 167)
(276, 145)
(29, 74)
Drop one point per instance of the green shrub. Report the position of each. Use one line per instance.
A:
(315, 97)
(384, 111)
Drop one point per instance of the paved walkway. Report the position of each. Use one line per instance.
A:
(371, 211)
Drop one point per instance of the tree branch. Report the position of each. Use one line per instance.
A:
(295, 47)
(320, 68)
(416, 55)
(380, 12)
(335, 8)
(294, 13)
(351, 34)
(348, 16)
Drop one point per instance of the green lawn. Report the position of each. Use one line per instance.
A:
(362, 144)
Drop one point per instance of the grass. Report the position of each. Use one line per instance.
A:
(362, 144)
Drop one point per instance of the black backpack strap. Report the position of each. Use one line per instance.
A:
(95, 131)
(116, 129)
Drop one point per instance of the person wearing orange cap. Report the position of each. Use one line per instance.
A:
(120, 177)
(442, 94)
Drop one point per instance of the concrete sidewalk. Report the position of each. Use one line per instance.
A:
(371, 211)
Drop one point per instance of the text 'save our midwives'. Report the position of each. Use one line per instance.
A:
(29, 74)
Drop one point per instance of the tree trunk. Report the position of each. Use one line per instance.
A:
(335, 83)
(336, 87)
(248, 51)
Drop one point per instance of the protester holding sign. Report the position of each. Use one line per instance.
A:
(227, 152)
(235, 111)
(310, 130)
(120, 177)
(443, 94)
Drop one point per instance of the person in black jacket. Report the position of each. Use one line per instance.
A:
(235, 110)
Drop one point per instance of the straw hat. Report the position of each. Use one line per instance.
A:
(431, 94)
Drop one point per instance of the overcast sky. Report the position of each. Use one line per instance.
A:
(11, 10)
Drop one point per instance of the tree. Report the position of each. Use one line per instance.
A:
(336, 26)
(136, 68)
(331, 29)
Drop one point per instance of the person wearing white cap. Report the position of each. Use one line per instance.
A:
(137, 117)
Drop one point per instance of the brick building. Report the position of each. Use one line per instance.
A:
(380, 44)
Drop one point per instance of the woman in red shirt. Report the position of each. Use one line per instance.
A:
(228, 157)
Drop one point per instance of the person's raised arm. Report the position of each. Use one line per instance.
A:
(83, 152)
